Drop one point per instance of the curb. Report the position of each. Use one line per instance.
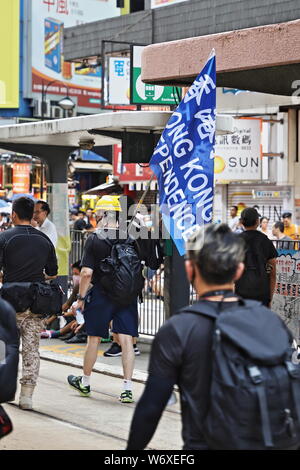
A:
(113, 371)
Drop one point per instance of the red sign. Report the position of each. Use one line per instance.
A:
(129, 172)
(21, 178)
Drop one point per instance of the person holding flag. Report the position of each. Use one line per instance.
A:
(183, 163)
(183, 159)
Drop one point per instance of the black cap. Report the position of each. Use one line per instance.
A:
(286, 214)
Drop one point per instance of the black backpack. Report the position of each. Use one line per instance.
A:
(121, 272)
(254, 283)
(255, 384)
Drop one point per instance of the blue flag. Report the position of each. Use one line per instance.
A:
(183, 159)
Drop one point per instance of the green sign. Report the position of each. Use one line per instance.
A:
(144, 93)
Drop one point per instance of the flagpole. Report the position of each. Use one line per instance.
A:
(141, 200)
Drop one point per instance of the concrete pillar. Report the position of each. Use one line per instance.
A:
(57, 196)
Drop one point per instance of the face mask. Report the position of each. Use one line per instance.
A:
(76, 279)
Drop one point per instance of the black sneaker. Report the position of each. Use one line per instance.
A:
(114, 351)
(136, 350)
(75, 382)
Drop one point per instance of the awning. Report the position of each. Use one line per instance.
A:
(91, 166)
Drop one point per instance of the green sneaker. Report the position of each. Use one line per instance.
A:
(126, 397)
(75, 382)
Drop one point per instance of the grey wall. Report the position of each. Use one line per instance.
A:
(182, 20)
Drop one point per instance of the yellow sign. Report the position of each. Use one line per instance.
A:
(9, 53)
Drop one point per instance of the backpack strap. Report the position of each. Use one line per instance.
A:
(202, 307)
(257, 380)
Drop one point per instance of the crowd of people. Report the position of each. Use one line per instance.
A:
(288, 231)
(229, 337)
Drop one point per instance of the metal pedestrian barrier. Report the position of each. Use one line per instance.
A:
(286, 300)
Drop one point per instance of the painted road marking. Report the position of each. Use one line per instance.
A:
(62, 349)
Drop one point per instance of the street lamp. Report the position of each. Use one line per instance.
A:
(65, 103)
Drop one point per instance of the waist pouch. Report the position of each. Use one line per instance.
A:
(47, 299)
(18, 294)
(41, 298)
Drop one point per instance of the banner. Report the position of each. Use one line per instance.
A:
(9, 53)
(238, 156)
(48, 20)
(286, 298)
(183, 159)
(21, 178)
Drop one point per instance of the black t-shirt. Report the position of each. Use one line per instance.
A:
(25, 253)
(262, 250)
(267, 248)
(182, 351)
(96, 249)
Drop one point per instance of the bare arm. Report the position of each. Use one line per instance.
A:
(85, 280)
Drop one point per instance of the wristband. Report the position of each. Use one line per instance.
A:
(79, 297)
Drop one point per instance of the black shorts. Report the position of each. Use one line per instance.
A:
(99, 310)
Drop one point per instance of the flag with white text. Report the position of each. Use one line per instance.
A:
(183, 159)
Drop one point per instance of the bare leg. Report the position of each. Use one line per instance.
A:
(90, 355)
(116, 339)
(127, 355)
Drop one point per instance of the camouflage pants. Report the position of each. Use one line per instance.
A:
(30, 327)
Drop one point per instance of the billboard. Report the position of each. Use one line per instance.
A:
(9, 56)
(144, 93)
(119, 82)
(21, 178)
(238, 157)
(48, 20)
(163, 3)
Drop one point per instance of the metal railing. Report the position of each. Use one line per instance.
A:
(152, 311)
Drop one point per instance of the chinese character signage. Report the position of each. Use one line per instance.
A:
(163, 3)
(48, 20)
(238, 156)
(144, 93)
(119, 83)
(286, 299)
(9, 53)
(21, 178)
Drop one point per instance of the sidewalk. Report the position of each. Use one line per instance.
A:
(60, 352)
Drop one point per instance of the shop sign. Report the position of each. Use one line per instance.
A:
(129, 172)
(163, 3)
(238, 156)
(119, 80)
(286, 299)
(145, 93)
(271, 194)
(21, 178)
(48, 20)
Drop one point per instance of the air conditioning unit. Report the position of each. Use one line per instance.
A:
(37, 108)
(57, 112)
